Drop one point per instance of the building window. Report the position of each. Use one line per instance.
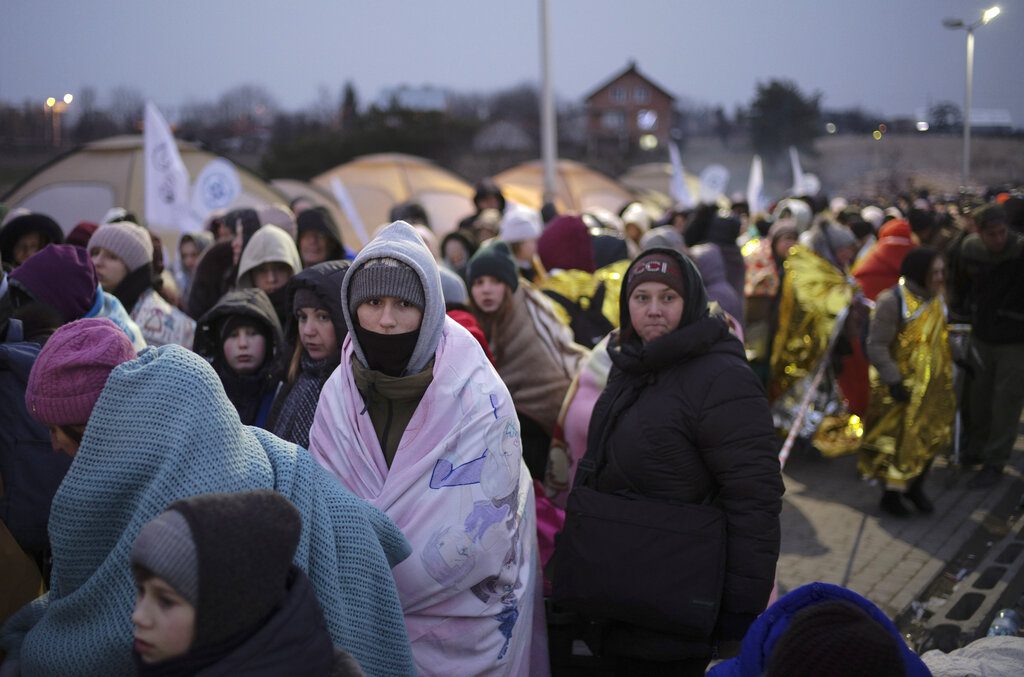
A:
(641, 95)
(647, 119)
(613, 119)
(619, 94)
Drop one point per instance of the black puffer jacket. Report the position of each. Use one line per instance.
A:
(251, 394)
(683, 416)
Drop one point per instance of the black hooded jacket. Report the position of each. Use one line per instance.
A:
(293, 641)
(319, 220)
(251, 394)
(216, 271)
(683, 417)
(324, 280)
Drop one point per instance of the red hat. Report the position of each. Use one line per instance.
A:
(565, 244)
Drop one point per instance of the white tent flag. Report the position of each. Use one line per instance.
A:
(216, 187)
(713, 181)
(755, 187)
(798, 172)
(167, 182)
(349, 207)
(680, 193)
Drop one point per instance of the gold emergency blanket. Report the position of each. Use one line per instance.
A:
(813, 293)
(901, 438)
(580, 287)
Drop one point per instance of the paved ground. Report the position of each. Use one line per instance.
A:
(834, 531)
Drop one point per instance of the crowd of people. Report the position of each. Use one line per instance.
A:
(473, 454)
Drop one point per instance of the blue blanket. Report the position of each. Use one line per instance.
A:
(163, 430)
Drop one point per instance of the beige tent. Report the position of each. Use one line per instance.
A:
(84, 183)
(578, 187)
(376, 183)
(654, 180)
(293, 188)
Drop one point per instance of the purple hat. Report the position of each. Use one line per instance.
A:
(72, 368)
(61, 276)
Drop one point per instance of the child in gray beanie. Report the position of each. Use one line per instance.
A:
(218, 593)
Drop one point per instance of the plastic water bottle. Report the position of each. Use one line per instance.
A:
(1006, 622)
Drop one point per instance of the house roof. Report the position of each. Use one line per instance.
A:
(631, 68)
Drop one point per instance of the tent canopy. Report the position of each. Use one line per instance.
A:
(654, 179)
(293, 188)
(378, 182)
(86, 182)
(577, 187)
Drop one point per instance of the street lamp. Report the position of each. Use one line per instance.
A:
(957, 24)
(56, 108)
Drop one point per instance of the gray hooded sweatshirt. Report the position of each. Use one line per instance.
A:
(391, 401)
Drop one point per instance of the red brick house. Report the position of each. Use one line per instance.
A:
(625, 108)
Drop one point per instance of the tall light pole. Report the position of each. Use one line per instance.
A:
(548, 138)
(957, 24)
(57, 107)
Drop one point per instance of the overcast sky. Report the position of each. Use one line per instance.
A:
(889, 56)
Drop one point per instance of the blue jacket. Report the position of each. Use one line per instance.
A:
(30, 469)
(764, 633)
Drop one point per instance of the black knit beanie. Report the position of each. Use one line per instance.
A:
(385, 277)
(838, 639)
(494, 260)
(244, 544)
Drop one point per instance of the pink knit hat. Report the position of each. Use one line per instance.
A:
(72, 368)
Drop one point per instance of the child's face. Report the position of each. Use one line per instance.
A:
(164, 621)
(488, 293)
(245, 349)
(189, 255)
(316, 332)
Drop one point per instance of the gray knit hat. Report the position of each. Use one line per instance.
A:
(452, 287)
(165, 547)
(131, 243)
(385, 277)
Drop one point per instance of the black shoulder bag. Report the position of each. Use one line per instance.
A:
(628, 558)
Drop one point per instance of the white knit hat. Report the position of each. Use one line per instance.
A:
(131, 243)
(873, 215)
(520, 224)
(638, 216)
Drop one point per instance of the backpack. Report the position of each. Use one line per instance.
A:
(588, 323)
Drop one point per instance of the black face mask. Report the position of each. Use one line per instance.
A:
(387, 353)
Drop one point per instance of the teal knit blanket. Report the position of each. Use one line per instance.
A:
(164, 430)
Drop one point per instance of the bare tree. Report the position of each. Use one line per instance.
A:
(127, 106)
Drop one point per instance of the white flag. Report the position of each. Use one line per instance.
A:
(798, 172)
(216, 187)
(680, 193)
(349, 207)
(167, 182)
(755, 187)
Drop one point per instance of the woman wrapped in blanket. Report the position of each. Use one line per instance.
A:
(910, 417)
(416, 421)
(150, 430)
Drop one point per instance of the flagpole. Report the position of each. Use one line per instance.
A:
(548, 132)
